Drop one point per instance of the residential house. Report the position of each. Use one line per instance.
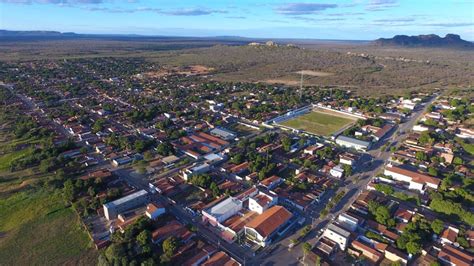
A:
(338, 235)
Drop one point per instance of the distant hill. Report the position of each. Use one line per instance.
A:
(430, 40)
(12, 33)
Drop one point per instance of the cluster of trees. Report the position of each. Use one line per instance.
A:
(133, 247)
(463, 108)
(381, 214)
(128, 143)
(453, 209)
(83, 194)
(415, 235)
(206, 182)
(48, 158)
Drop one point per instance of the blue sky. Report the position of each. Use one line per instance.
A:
(345, 19)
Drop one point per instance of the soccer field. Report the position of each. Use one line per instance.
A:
(320, 123)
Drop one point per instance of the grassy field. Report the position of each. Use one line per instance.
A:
(319, 123)
(36, 228)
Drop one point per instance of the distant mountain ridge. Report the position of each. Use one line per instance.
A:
(430, 40)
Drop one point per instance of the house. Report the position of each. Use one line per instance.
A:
(196, 170)
(154, 210)
(337, 171)
(449, 235)
(262, 202)
(114, 208)
(382, 132)
(326, 247)
(394, 255)
(416, 180)
(353, 143)
(403, 215)
(338, 235)
(271, 182)
(220, 259)
(234, 226)
(266, 225)
(173, 228)
(312, 149)
(455, 257)
(348, 158)
(221, 211)
(368, 252)
(348, 221)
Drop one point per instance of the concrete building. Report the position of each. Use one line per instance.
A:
(416, 181)
(114, 208)
(271, 222)
(154, 210)
(196, 170)
(221, 211)
(338, 235)
(223, 133)
(262, 202)
(348, 221)
(353, 143)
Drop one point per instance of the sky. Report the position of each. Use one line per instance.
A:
(324, 19)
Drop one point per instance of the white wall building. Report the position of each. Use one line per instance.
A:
(338, 235)
(222, 211)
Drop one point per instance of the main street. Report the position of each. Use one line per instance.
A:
(282, 255)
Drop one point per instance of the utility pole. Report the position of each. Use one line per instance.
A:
(301, 85)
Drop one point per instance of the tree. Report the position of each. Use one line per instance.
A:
(413, 247)
(68, 190)
(169, 247)
(437, 226)
(286, 143)
(215, 189)
(388, 190)
(432, 171)
(421, 156)
(144, 238)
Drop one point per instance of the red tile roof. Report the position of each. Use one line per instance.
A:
(270, 220)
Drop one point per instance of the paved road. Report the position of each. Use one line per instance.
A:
(140, 182)
(281, 255)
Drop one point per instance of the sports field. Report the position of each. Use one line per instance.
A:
(319, 122)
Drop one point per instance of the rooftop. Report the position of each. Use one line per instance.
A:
(269, 221)
(127, 198)
(222, 207)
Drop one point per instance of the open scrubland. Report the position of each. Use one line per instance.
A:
(361, 68)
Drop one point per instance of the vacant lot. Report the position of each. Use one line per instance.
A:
(320, 123)
(36, 228)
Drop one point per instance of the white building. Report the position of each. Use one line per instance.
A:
(337, 171)
(221, 211)
(114, 208)
(196, 170)
(353, 143)
(261, 202)
(417, 181)
(338, 235)
(348, 221)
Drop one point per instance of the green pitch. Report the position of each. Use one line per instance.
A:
(320, 123)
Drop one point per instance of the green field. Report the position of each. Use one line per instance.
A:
(36, 228)
(320, 123)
